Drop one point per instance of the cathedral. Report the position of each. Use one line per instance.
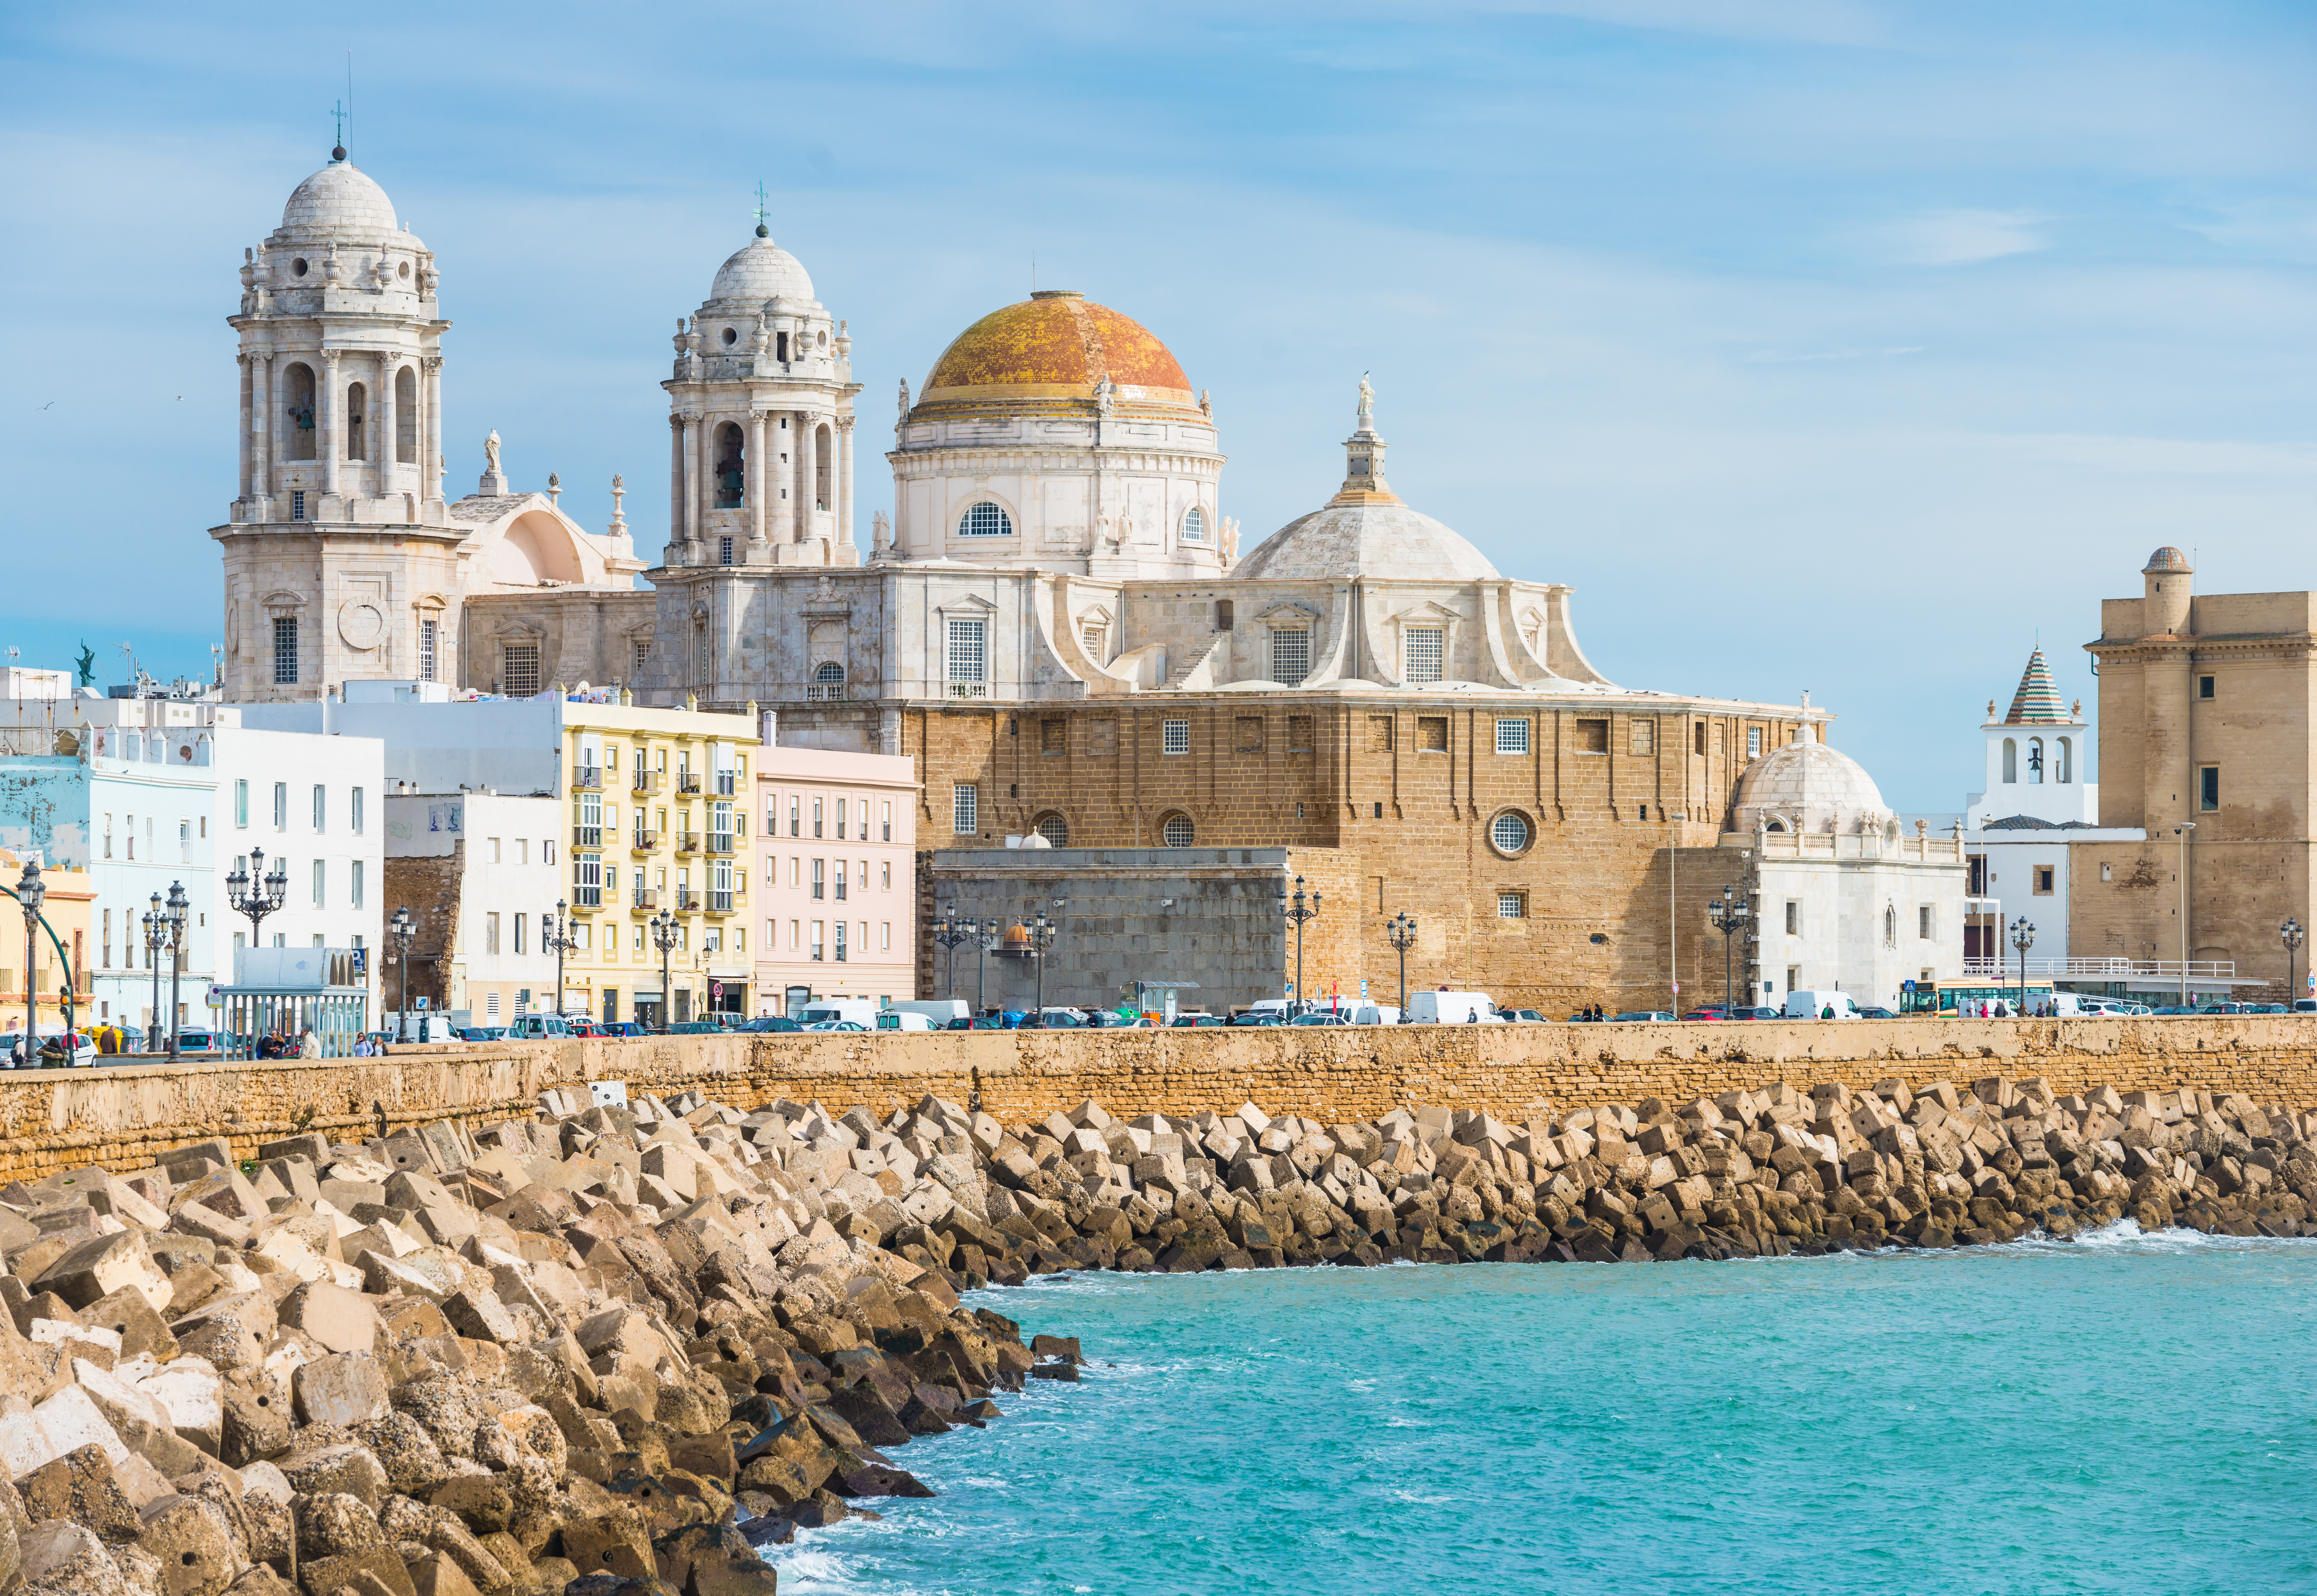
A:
(1058, 624)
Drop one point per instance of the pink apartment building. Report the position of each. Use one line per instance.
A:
(836, 859)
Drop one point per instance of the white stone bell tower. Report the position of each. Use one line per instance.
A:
(2036, 756)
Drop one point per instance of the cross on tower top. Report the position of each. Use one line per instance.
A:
(763, 230)
(338, 118)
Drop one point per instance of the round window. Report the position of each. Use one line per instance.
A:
(985, 520)
(730, 338)
(1175, 831)
(403, 270)
(298, 267)
(1055, 830)
(1509, 833)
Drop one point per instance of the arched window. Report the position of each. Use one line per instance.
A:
(824, 459)
(1056, 830)
(298, 387)
(2034, 760)
(357, 404)
(828, 681)
(1176, 830)
(2010, 760)
(731, 467)
(1194, 525)
(1509, 833)
(1889, 927)
(406, 416)
(1775, 826)
(985, 520)
(702, 665)
(2063, 763)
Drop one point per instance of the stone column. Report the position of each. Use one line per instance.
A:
(845, 480)
(248, 419)
(674, 490)
(326, 422)
(432, 473)
(698, 433)
(759, 479)
(800, 475)
(261, 424)
(384, 411)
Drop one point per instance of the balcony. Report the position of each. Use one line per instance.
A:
(644, 899)
(720, 842)
(728, 782)
(644, 840)
(824, 692)
(968, 689)
(587, 897)
(687, 901)
(648, 781)
(724, 902)
(2158, 971)
(687, 842)
(687, 781)
(587, 837)
(587, 778)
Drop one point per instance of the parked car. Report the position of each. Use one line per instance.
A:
(480, 1033)
(1532, 1018)
(818, 1024)
(898, 1019)
(1055, 1019)
(770, 1022)
(198, 1042)
(619, 1028)
(1711, 1011)
(974, 1022)
(1645, 1014)
(1259, 1016)
(1874, 1011)
(1184, 1022)
(1757, 1012)
(1110, 1019)
(2180, 1009)
(701, 1027)
(1323, 1018)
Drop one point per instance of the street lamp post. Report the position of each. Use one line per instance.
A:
(663, 930)
(1295, 908)
(174, 915)
(983, 949)
(2023, 937)
(1042, 931)
(2291, 933)
(1400, 929)
(952, 933)
(30, 895)
(556, 933)
(1730, 914)
(157, 937)
(254, 893)
(2182, 831)
(401, 930)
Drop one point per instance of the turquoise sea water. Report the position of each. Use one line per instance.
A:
(2125, 1413)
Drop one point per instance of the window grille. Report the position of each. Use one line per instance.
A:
(724, 551)
(1093, 637)
(969, 660)
(1055, 830)
(426, 635)
(1423, 651)
(1512, 737)
(1291, 656)
(285, 650)
(298, 504)
(1178, 832)
(1512, 906)
(965, 809)
(1175, 736)
(985, 520)
(519, 669)
(1753, 742)
(1509, 831)
(1195, 526)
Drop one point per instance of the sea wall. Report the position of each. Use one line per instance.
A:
(54, 1119)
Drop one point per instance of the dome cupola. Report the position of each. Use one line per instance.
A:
(1808, 786)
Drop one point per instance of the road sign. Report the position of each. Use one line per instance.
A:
(1363, 989)
(419, 1002)
(1906, 986)
(715, 989)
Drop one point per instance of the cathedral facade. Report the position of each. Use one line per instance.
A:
(1058, 624)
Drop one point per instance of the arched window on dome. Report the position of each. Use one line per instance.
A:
(298, 388)
(985, 520)
(824, 458)
(2010, 761)
(731, 467)
(2034, 761)
(406, 416)
(357, 414)
(1194, 525)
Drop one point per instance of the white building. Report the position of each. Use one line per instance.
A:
(497, 883)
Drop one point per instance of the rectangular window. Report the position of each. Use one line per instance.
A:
(1432, 734)
(885, 873)
(518, 932)
(298, 504)
(819, 868)
(588, 822)
(1794, 917)
(108, 836)
(969, 660)
(1422, 651)
(491, 932)
(1512, 736)
(1175, 737)
(1923, 922)
(427, 632)
(320, 881)
(817, 820)
(1793, 978)
(1592, 736)
(1195, 532)
(1291, 656)
(355, 812)
(1512, 906)
(840, 881)
(285, 650)
(321, 808)
(724, 551)
(1248, 735)
(280, 806)
(965, 809)
(884, 936)
(587, 880)
(840, 819)
(1093, 638)
(1642, 736)
(816, 943)
(1299, 734)
(1753, 742)
(519, 669)
(1054, 735)
(241, 804)
(354, 886)
(885, 822)
(2204, 687)
(104, 949)
(2208, 787)
(2044, 874)
(1697, 737)
(840, 942)
(1379, 737)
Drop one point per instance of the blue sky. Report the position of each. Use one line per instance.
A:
(1819, 345)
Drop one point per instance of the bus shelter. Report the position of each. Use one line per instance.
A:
(285, 995)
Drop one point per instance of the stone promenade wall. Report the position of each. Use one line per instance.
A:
(52, 1119)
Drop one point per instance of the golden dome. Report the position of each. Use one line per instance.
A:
(1057, 344)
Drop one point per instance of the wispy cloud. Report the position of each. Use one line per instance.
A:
(1781, 357)
(1958, 237)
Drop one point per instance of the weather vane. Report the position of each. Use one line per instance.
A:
(764, 231)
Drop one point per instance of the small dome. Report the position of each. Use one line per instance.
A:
(1811, 787)
(1366, 540)
(1057, 344)
(2166, 559)
(762, 270)
(340, 198)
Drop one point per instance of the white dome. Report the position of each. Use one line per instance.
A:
(340, 198)
(1808, 786)
(1366, 540)
(760, 272)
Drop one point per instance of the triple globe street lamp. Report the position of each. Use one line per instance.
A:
(2291, 933)
(663, 935)
(555, 932)
(2023, 937)
(30, 894)
(1297, 910)
(401, 930)
(1731, 915)
(1400, 931)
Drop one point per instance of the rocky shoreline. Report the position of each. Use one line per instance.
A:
(612, 1351)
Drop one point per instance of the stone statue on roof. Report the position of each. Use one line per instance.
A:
(491, 452)
(1367, 399)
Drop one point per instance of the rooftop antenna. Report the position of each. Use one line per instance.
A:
(350, 92)
(762, 231)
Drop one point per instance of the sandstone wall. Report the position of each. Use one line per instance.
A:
(52, 1120)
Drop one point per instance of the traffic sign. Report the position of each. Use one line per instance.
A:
(715, 989)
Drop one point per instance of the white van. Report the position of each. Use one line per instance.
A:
(861, 1011)
(902, 1019)
(939, 1010)
(1814, 1005)
(1451, 1008)
(537, 1025)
